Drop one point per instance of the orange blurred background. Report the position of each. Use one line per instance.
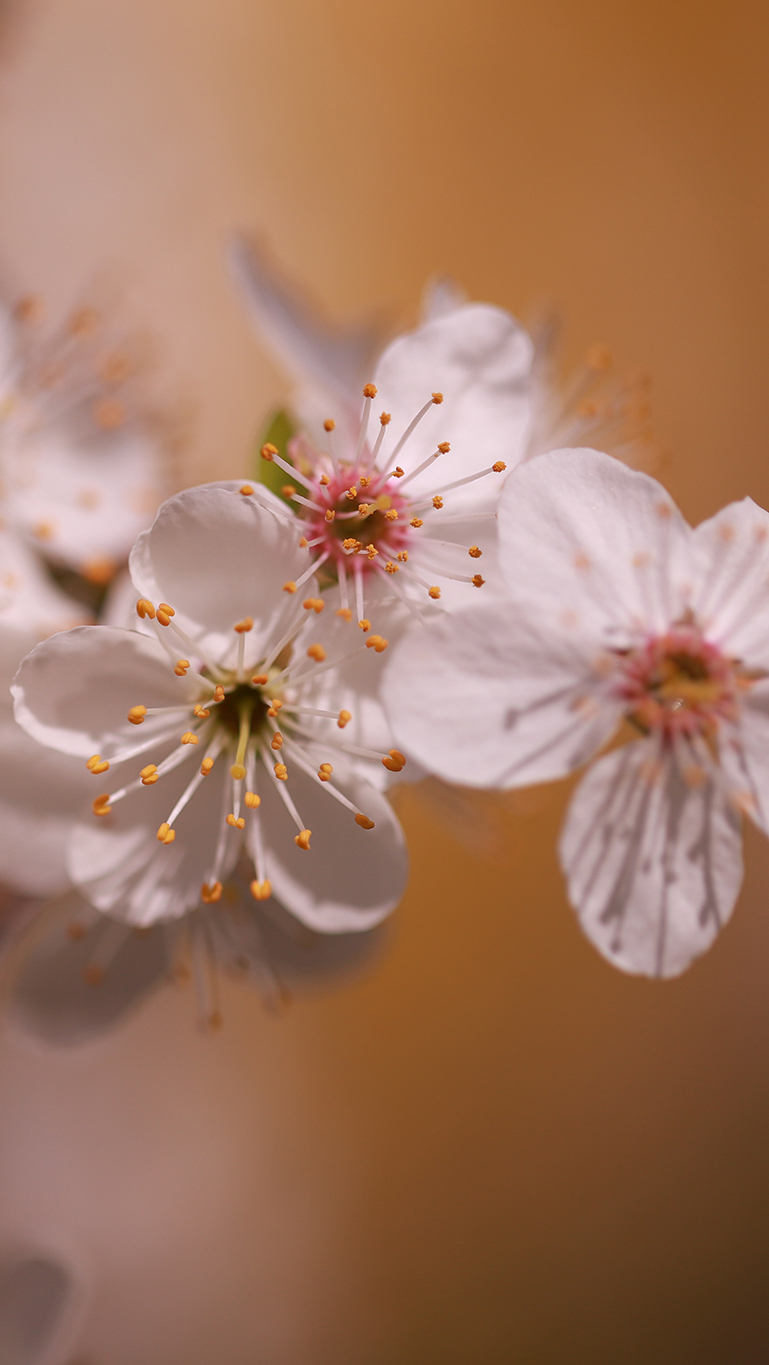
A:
(495, 1148)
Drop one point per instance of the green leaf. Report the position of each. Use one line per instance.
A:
(278, 431)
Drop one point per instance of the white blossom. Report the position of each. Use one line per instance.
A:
(618, 614)
(226, 686)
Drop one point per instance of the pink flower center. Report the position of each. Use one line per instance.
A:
(680, 684)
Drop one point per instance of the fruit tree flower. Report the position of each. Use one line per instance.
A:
(73, 973)
(81, 470)
(213, 724)
(622, 622)
(374, 499)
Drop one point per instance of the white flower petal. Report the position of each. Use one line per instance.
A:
(217, 557)
(39, 792)
(744, 755)
(581, 534)
(311, 349)
(731, 601)
(50, 997)
(119, 865)
(653, 865)
(31, 605)
(489, 699)
(479, 357)
(74, 691)
(83, 498)
(350, 878)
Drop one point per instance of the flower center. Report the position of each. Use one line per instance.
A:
(680, 684)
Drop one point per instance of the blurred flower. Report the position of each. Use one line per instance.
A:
(43, 1300)
(75, 973)
(229, 674)
(618, 611)
(81, 470)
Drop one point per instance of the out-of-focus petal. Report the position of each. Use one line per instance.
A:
(490, 698)
(42, 1304)
(350, 878)
(744, 755)
(74, 691)
(653, 864)
(76, 974)
(582, 537)
(311, 349)
(479, 358)
(31, 606)
(731, 601)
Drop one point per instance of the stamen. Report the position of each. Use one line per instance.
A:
(302, 840)
(145, 608)
(471, 478)
(414, 424)
(182, 668)
(164, 614)
(96, 764)
(189, 737)
(316, 652)
(165, 834)
(246, 490)
(136, 714)
(210, 894)
(442, 449)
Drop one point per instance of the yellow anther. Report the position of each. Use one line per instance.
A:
(344, 719)
(268, 450)
(376, 642)
(330, 514)
(244, 626)
(372, 551)
(434, 592)
(324, 772)
(165, 834)
(277, 741)
(437, 502)
(365, 480)
(281, 772)
(182, 665)
(101, 805)
(385, 418)
(145, 608)
(316, 652)
(351, 544)
(236, 822)
(237, 771)
(394, 761)
(259, 679)
(246, 490)
(136, 714)
(302, 542)
(164, 614)
(43, 530)
(437, 397)
(96, 764)
(369, 391)
(271, 712)
(315, 604)
(403, 556)
(329, 424)
(444, 447)
(277, 704)
(252, 800)
(391, 568)
(163, 606)
(416, 522)
(189, 738)
(261, 891)
(364, 508)
(364, 624)
(290, 586)
(499, 467)
(392, 515)
(206, 766)
(210, 892)
(288, 490)
(201, 712)
(351, 492)
(344, 612)
(364, 822)
(474, 552)
(478, 582)
(149, 775)
(324, 480)
(218, 692)
(303, 840)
